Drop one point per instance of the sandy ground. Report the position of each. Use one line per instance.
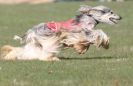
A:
(25, 1)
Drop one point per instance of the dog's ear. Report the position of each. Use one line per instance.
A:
(102, 8)
(84, 9)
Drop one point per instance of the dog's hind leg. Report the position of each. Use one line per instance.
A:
(6, 52)
(9, 53)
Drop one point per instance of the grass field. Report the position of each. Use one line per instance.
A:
(98, 67)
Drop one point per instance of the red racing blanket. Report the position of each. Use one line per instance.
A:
(56, 26)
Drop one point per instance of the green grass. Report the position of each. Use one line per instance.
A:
(98, 67)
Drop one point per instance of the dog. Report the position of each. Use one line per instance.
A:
(43, 41)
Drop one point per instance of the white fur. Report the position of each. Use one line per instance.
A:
(49, 49)
(30, 51)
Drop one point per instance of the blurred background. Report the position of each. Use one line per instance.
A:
(49, 1)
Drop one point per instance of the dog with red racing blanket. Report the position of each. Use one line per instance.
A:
(44, 41)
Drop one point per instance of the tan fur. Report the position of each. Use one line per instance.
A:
(9, 52)
(32, 51)
(105, 44)
(81, 42)
(81, 47)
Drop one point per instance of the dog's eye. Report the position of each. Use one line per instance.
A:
(111, 12)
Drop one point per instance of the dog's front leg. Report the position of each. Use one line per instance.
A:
(81, 47)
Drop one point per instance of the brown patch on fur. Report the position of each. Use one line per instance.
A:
(105, 44)
(98, 41)
(5, 50)
(81, 47)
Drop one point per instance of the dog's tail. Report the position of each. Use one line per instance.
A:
(21, 39)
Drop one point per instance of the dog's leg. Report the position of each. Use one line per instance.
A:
(82, 47)
(105, 44)
(102, 39)
(98, 41)
(10, 56)
(9, 53)
(77, 41)
(98, 38)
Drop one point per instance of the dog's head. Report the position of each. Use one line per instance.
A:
(101, 14)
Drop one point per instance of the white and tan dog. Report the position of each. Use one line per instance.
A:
(44, 40)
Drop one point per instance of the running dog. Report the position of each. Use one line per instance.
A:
(43, 41)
